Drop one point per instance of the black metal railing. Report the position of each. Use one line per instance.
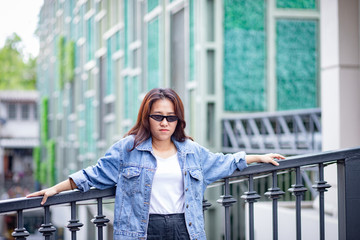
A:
(70, 197)
(348, 165)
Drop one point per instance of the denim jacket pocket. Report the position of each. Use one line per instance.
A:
(131, 180)
(196, 181)
(196, 174)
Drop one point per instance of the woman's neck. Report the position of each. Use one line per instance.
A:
(164, 149)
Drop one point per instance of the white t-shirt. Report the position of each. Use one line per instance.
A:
(167, 193)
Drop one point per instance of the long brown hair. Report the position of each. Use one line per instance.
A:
(141, 129)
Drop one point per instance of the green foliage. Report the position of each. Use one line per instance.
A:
(37, 162)
(61, 61)
(51, 162)
(70, 61)
(44, 120)
(45, 169)
(15, 71)
(43, 172)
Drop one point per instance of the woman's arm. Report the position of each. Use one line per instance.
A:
(266, 158)
(60, 187)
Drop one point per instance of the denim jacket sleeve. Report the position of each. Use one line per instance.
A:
(218, 165)
(104, 174)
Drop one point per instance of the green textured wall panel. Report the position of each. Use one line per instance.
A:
(298, 4)
(296, 64)
(244, 55)
(153, 65)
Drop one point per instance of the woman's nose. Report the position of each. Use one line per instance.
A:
(164, 122)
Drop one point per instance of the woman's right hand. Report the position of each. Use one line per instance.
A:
(45, 192)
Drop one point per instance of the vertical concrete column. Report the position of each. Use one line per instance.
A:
(340, 83)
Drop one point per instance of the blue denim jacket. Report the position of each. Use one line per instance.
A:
(133, 172)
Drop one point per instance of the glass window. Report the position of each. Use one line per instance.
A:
(25, 111)
(191, 41)
(153, 58)
(109, 108)
(101, 94)
(109, 68)
(12, 111)
(151, 4)
(177, 52)
(35, 111)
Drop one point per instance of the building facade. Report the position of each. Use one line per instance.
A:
(99, 57)
(19, 135)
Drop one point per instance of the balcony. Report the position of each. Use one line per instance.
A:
(348, 167)
(288, 132)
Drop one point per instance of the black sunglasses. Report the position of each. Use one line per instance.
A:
(159, 118)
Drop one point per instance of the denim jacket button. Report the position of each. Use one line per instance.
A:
(190, 223)
(185, 173)
(187, 205)
(186, 189)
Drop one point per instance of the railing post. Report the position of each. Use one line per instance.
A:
(227, 200)
(20, 232)
(47, 228)
(321, 186)
(74, 224)
(298, 190)
(250, 197)
(206, 205)
(274, 193)
(100, 220)
(349, 197)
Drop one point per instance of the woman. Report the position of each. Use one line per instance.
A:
(160, 173)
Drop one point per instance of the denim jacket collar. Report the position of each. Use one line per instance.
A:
(180, 146)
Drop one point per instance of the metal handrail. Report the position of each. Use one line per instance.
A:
(297, 161)
(22, 203)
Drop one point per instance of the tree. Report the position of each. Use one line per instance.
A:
(15, 71)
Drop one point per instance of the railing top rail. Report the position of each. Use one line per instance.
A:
(298, 161)
(237, 116)
(61, 198)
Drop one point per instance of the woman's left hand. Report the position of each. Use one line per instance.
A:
(270, 158)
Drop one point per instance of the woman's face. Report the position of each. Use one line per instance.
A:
(162, 130)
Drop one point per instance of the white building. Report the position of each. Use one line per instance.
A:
(19, 132)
